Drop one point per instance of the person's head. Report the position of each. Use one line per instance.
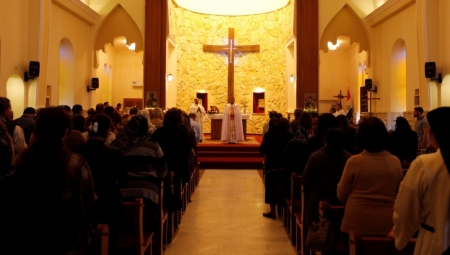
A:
(106, 104)
(133, 111)
(232, 100)
(418, 112)
(173, 117)
(186, 122)
(66, 108)
(272, 114)
(297, 113)
(334, 142)
(279, 115)
(137, 127)
(325, 122)
(152, 95)
(284, 124)
(372, 135)
(338, 106)
(100, 126)
(116, 121)
(274, 124)
(30, 112)
(315, 116)
(146, 115)
(73, 139)
(342, 121)
(196, 100)
(108, 110)
(192, 115)
(77, 109)
(52, 124)
(306, 120)
(5, 108)
(310, 99)
(99, 107)
(90, 111)
(402, 124)
(439, 135)
(332, 110)
(79, 123)
(119, 105)
(157, 113)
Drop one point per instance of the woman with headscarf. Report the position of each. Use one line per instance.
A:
(323, 172)
(422, 203)
(272, 147)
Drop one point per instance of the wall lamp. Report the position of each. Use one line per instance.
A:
(291, 78)
(430, 72)
(169, 77)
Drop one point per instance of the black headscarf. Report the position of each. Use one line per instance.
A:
(438, 120)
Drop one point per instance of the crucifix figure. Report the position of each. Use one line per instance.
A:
(339, 96)
(230, 48)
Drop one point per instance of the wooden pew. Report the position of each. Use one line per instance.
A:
(300, 232)
(335, 214)
(294, 205)
(161, 238)
(374, 245)
(132, 234)
(100, 240)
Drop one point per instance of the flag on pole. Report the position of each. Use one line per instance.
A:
(349, 106)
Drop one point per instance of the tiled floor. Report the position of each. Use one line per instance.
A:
(225, 217)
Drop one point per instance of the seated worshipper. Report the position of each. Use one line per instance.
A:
(116, 124)
(315, 119)
(323, 173)
(272, 147)
(174, 142)
(99, 107)
(306, 122)
(325, 122)
(6, 151)
(117, 109)
(370, 182)
(272, 114)
(133, 112)
(108, 172)
(90, 111)
(73, 139)
(403, 141)
(108, 110)
(27, 122)
(232, 131)
(50, 195)
(145, 166)
(157, 117)
(192, 141)
(77, 109)
(422, 201)
(295, 123)
(195, 126)
(79, 123)
(146, 115)
(349, 134)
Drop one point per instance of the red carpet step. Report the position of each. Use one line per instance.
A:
(230, 156)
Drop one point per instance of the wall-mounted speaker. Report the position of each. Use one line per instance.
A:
(33, 69)
(368, 84)
(430, 69)
(95, 83)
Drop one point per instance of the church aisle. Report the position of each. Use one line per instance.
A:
(225, 217)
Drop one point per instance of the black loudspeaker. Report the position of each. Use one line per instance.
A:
(368, 84)
(95, 83)
(33, 69)
(430, 69)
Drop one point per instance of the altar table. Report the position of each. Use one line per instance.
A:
(216, 125)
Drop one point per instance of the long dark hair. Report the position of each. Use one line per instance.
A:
(334, 139)
(439, 127)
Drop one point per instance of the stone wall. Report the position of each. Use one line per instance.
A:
(207, 72)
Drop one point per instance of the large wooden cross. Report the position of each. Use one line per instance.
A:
(230, 48)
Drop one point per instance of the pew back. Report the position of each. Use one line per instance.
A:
(374, 245)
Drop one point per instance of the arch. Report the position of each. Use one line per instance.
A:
(15, 92)
(117, 23)
(445, 91)
(345, 22)
(66, 72)
(398, 76)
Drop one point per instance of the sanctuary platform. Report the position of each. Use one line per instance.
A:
(215, 154)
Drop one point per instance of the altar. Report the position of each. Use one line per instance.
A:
(216, 125)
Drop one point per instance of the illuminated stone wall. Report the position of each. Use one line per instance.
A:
(207, 72)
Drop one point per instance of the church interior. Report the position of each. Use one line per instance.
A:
(309, 54)
(388, 42)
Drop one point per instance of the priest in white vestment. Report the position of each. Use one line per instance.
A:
(232, 130)
(200, 112)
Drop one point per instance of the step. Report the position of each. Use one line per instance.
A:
(227, 148)
(230, 163)
(242, 154)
